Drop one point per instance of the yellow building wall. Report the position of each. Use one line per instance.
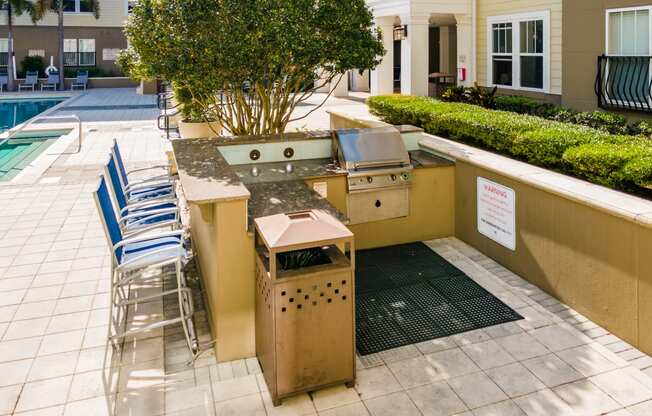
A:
(113, 13)
(489, 8)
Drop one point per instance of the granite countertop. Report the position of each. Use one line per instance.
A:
(204, 173)
(423, 159)
(206, 177)
(279, 172)
(271, 198)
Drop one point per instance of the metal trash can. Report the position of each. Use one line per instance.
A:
(305, 302)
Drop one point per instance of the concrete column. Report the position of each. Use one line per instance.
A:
(382, 78)
(465, 58)
(324, 87)
(340, 86)
(414, 56)
(445, 65)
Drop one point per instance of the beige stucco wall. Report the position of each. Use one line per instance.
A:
(113, 13)
(46, 39)
(225, 252)
(488, 8)
(595, 261)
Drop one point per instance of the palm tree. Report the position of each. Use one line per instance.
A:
(15, 8)
(58, 6)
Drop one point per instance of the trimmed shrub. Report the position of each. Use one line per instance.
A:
(609, 122)
(639, 171)
(601, 120)
(611, 164)
(547, 145)
(525, 105)
(32, 63)
(493, 129)
(619, 161)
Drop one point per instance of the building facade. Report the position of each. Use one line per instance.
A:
(583, 54)
(607, 57)
(88, 43)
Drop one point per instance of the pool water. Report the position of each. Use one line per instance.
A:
(18, 153)
(14, 112)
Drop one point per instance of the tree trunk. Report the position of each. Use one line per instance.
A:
(10, 40)
(62, 84)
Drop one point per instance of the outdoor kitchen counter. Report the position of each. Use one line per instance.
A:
(205, 175)
(223, 201)
(271, 198)
(275, 189)
(421, 159)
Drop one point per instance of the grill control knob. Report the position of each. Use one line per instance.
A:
(405, 176)
(370, 179)
(393, 177)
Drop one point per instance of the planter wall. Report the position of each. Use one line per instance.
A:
(199, 130)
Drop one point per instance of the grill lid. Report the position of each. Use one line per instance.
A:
(371, 148)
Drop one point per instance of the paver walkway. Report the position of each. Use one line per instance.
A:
(54, 360)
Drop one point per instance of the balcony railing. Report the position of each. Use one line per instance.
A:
(4, 58)
(624, 82)
(79, 58)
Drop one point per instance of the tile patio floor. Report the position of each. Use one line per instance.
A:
(54, 280)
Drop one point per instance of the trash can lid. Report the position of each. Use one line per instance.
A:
(303, 228)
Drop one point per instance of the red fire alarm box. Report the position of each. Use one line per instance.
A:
(461, 74)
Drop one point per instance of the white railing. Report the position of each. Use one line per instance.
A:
(37, 118)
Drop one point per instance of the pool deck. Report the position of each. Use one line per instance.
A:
(54, 359)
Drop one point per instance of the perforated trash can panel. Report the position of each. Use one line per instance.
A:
(411, 294)
(313, 316)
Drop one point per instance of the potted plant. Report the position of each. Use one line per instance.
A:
(193, 123)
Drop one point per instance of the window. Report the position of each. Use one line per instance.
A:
(628, 32)
(502, 54)
(518, 51)
(86, 52)
(79, 52)
(78, 6)
(4, 52)
(531, 54)
(36, 52)
(628, 72)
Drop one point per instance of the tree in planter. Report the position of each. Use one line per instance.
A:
(43, 7)
(250, 63)
(15, 8)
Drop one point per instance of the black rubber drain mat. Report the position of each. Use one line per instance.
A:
(408, 293)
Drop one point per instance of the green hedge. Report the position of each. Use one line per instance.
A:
(619, 161)
(601, 120)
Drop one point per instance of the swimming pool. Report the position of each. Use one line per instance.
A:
(18, 152)
(16, 111)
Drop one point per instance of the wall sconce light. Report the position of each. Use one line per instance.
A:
(400, 32)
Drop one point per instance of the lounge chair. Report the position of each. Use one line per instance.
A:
(81, 81)
(150, 214)
(130, 256)
(52, 81)
(31, 79)
(4, 80)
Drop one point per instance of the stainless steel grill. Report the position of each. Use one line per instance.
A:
(379, 173)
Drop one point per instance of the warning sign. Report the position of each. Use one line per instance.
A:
(497, 212)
